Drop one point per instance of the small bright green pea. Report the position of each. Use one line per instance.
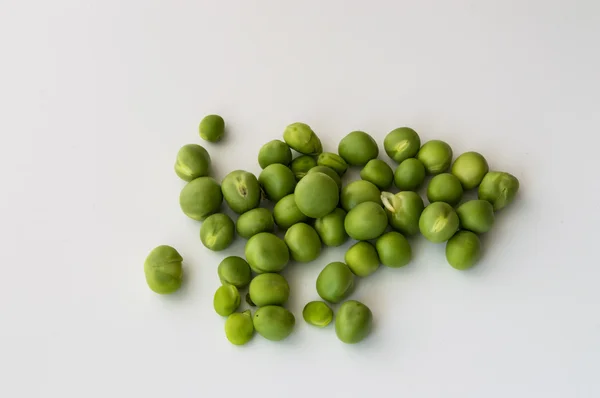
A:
(287, 213)
(498, 188)
(316, 195)
(163, 270)
(193, 161)
(265, 252)
(366, 221)
(331, 228)
(234, 270)
(241, 191)
(254, 221)
(357, 148)
(239, 327)
(273, 322)
(226, 300)
(301, 165)
(403, 210)
(409, 175)
(333, 161)
(212, 128)
(353, 322)
(463, 250)
(362, 259)
(445, 187)
(301, 138)
(275, 151)
(317, 313)
(200, 198)
(402, 143)
(438, 222)
(217, 232)
(335, 282)
(393, 249)
(269, 289)
(378, 172)
(304, 242)
(277, 181)
(476, 216)
(328, 171)
(470, 168)
(436, 156)
(358, 192)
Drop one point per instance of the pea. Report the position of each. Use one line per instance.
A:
(335, 282)
(277, 181)
(217, 232)
(226, 300)
(239, 327)
(331, 228)
(163, 270)
(317, 313)
(358, 192)
(362, 259)
(438, 222)
(357, 148)
(301, 165)
(303, 242)
(445, 187)
(470, 168)
(273, 322)
(241, 191)
(193, 161)
(353, 322)
(403, 210)
(463, 250)
(366, 221)
(402, 143)
(409, 175)
(200, 198)
(269, 289)
(275, 151)
(301, 138)
(212, 128)
(287, 213)
(476, 216)
(333, 161)
(393, 250)
(317, 194)
(330, 172)
(499, 189)
(234, 270)
(378, 172)
(254, 222)
(266, 252)
(436, 156)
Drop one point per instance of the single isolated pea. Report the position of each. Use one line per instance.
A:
(403, 210)
(436, 156)
(304, 242)
(335, 282)
(366, 221)
(317, 313)
(328, 171)
(357, 148)
(409, 175)
(254, 221)
(226, 300)
(241, 191)
(362, 259)
(287, 213)
(463, 250)
(234, 270)
(269, 289)
(353, 322)
(438, 222)
(275, 151)
(239, 327)
(217, 232)
(331, 228)
(301, 165)
(212, 128)
(402, 143)
(273, 322)
(316, 195)
(192, 161)
(266, 252)
(200, 198)
(445, 187)
(301, 138)
(378, 172)
(393, 250)
(470, 168)
(163, 270)
(476, 216)
(357, 192)
(498, 188)
(277, 181)
(333, 161)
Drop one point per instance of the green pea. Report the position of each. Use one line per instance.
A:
(328, 171)
(476, 216)
(200, 198)
(287, 213)
(353, 322)
(378, 172)
(269, 289)
(241, 191)
(409, 175)
(275, 151)
(265, 252)
(254, 221)
(402, 143)
(357, 148)
(317, 313)
(470, 168)
(234, 270)
(277, 181)
(393, 249)
(226, 300)
(362, 259)
(335, 282)
(403, 210)
(212, 128)
(333, 161)
(316, 195)
(217, 232)
(163, 270)
(366, 221)
(463, 250)
(239, 327)
(304, 242)
(436, 156)
(438, 222)
(301, 165)
(331, 228)
(357, 192)
(193, 161)
(445, 187)
(301, 138)
(498, 188)
(273, 322)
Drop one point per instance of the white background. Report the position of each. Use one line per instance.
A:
(96, 98)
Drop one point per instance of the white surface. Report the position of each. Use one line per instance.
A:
(98, 96)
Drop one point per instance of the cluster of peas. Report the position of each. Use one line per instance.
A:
(313, 207)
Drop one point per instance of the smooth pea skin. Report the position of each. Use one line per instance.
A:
(163, 270)
(328, 171)
(470, 168)
(301, 165)
(273, 322)
(357, 192)
(403, 210)
(476, 216)
(239, 327)
(269, 289)
(200, 198)
(317, 313)
(212, 128)
(241, 191)
(378, 172)
(445, 187)
(226, 300)
(331, 228)
(498, 188)
(402, 143)
(234, 270)
(287, 213)
(335, 282)
(333, 161)
(272, 152)
(304, 242)
(265, 252)
(393, 250)
(409, 175)
(366, 221)
(357, 148)
(217, 232)
(463, 250)
(438, 222)
(316, 195)
(362, 259)
(254, 221)
(193, 161)
(277, 181)
(436, 156)
(301, 138)
(353, 322)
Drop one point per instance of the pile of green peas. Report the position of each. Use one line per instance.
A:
(312, 209)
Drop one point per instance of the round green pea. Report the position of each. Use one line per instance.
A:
(163, 270)
(436, 156)
(254, 221)
(393, 250)
(357, 192)
(241, 191)
(301, 138)
(275, 151)
(287, 213)
(476, 216)
(200, 198)
(328, 171)
(409, 175)
(239, 327)
(366, 221)
(403, 210)
(234, 270)
(212, 128)
(333, 161)
(265, 252)
(470, 168)
(378, 172)
(402, 143)
(269, 289)
(192, 161)
(226, 300)
(301, 165)
(217, 232)
(277, 181)
(357, 148)
(335, 282)
(353, 322)
(304, 242)
(498, 188)
(317, 313)
(463, 250)
(438, 222)
(331, 228)
(362, 259)
(445, 187)
(316, 195)
(273, 322)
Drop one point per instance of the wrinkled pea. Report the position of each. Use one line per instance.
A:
(273, 322)
(254, 221)
(212, 128)
(445, 187)
(163, 270)
(335, 282)
(402, 143)
(331, 228)
(366, 221)
(316, 195)
(498, 188)
(476, 216)
(226, 300)
(317, 313)
(265, 252)
(234, 270)
(463, 250)
(438, 222)
(217, 232)
(362, 259)
(378, 172)
(328, 171)
(200, 198)
(275, 151)
(436, 156)
(403, 210)
(301, 138)
(353, 322)
(393, 249)
(277, 181)
(239, 327)
(333, 161)
(470, 168)
(192, 161)
(301, 165)
(357, 148)
(269, 289)
(304, 242)
(287, 213)
(241, 191)
(358, 192)
(409, 175)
